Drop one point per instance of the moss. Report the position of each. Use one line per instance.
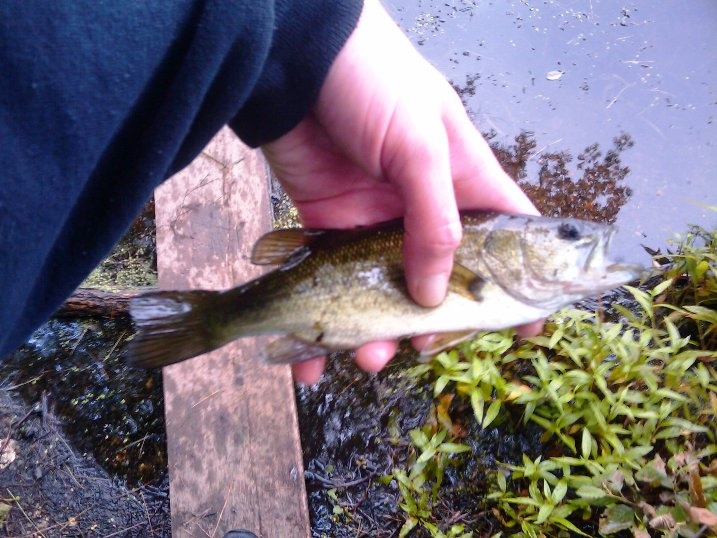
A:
(133, 261)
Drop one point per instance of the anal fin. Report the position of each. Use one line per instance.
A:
(442, 341)
(288, 350)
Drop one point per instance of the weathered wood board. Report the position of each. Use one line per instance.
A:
(232, 432)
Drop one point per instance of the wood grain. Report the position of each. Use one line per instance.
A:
(232, 432)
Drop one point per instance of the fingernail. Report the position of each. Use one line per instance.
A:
(431, 290)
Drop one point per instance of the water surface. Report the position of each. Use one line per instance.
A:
(578, 73)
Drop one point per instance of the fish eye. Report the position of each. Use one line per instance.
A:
(568, 231)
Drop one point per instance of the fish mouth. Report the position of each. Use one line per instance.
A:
(606, 272)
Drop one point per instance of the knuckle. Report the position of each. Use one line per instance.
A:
(445, 238)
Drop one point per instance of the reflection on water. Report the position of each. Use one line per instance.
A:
(597, 193)
(586, 74)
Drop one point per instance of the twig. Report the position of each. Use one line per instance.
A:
(622, 90)
(60, 525)
(43, 410)
(17, 502)
(206, 398)
(146, 510)
(138, 441)
(115, 346)
(221, 512)
(332, 484)
(122, 531)
(68, 471)
(84, 332)
(29, 381)
(13, 427)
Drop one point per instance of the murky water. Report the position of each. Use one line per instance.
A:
(109, 410)
(578, 73)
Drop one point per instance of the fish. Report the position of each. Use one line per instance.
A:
(336, 289)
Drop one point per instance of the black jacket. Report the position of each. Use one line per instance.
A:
(101, 100)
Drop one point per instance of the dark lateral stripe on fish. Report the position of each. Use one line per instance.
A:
(171, 327)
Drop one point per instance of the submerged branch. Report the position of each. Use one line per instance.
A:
(91, 302)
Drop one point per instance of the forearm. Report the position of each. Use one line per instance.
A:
(100, 102)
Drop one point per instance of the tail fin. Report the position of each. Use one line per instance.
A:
(172, 326)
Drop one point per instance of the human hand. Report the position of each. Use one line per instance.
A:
(389, 137)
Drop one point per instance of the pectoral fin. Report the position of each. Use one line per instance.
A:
(288, 350)
(465, 282)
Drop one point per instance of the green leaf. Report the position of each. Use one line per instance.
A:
(492, 413)
(452, 448)
(419, 438)
(544, 513)
(616, 518)
(566, 524)
(611, 331)
(703, 314)
(500, 478)
(662, 286)
(477, 404)
(586, 444)
(669, 433)
(685, 425)
(402, 478)
(590, 492)
(408, 526)
(524, 500)
(561, 488)
(676, 340)
(555, 337)
(441, 383)
(671, 394)
(426, 455)
(642, 298)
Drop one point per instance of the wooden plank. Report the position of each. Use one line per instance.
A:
(232, 430)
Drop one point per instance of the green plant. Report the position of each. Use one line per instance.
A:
(627, 408)
(432, 453)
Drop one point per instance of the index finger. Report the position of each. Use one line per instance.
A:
(418, 163)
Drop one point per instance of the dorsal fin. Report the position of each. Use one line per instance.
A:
(283, 246)
(289, 246)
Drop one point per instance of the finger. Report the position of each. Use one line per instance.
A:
(419, 166)
(422, 341)
(372, 357)
(308, 372)
(530, 329)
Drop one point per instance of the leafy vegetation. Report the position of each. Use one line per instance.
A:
(626, 401)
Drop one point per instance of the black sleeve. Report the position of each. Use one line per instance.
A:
(287, 86)
(102, 100)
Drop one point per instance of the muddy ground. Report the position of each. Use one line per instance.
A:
(50, 488)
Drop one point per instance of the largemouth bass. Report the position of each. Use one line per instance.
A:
(338, 289)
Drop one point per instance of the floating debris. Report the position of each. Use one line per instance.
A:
(556, 74)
